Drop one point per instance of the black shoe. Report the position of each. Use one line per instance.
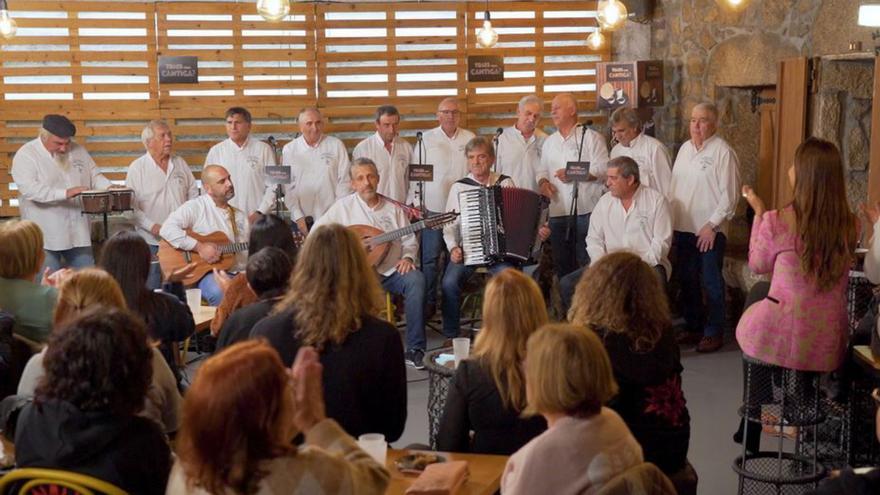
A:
(415, 359)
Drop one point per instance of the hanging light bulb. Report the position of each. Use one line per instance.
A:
(596, 40)
(733, 5)
(487, 37)
(8, 27)
(611, 14)
(273, 10)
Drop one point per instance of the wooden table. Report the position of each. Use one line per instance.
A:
(485, 472)
(203, 317)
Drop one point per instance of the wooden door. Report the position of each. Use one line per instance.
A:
(791, 124)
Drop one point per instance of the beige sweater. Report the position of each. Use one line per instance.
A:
(330, 462)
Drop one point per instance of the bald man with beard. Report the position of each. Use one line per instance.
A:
(208, 213)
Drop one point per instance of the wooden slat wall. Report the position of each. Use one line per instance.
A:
(413, 55)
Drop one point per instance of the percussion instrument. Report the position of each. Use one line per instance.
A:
(96, 202)
(122, 199)
(499, 223)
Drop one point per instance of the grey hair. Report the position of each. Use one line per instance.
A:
(362, 162)
(308, 109)
(627, 115)
(480, 142)
(626, 166)
(149, 131)
(528, 99)
(709, 107)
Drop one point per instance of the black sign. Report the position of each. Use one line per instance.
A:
(485, 68)
(577, 171)
(178, 70)
(421, 173)
(277, 175)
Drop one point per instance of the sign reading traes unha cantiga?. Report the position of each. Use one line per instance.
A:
(178, 70)
(484, 68)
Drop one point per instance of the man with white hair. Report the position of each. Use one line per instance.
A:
(319, 169)
(705, 189)
(49, 172)
(655, 164)
(391, 153)
(162, 182)
(518, 151)
(246, 160)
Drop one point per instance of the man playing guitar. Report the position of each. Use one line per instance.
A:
(396, 269)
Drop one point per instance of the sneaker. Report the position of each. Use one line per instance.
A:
(710, 344)
(415, 359)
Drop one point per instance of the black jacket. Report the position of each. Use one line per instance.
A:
(849, 483)
(238, 326)
(130, 452)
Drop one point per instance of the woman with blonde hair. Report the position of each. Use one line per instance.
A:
(331, 305)
(568, 379)
(90, 288)
(622, 300)
(487, 394)
(239, 419)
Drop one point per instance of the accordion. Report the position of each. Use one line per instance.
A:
(500, 223)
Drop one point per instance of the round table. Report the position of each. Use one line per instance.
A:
(439, 376)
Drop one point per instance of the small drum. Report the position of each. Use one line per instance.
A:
(96, 201)
(121, 199)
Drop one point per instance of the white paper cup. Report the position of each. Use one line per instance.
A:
(375, 445)
(194, 300)
(461, 349)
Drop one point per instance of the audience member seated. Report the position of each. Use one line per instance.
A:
(622, 300)
(268, 230)
(239, 419)
(83, 418)
(488, 394)
(93, 287)
(268, 272)
(126, 257)
(568, 378)
(331, 303)
(29, 303)
(808, 246)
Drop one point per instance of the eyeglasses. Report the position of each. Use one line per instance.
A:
(450, 112)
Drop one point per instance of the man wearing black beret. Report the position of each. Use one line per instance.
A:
(50, 171)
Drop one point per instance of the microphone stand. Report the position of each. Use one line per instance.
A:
(279, 189)
(573, 211)
(496, 141)
(421, 185)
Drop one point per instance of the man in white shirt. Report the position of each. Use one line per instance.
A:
(397, 272)
(162, 182)
(570, 143)
(204, 215)
(480, 157)
(319, 169)
(518, 148)
(444, 148)
(655, 164)
(246, 160)
(705, 189)
(50, 171)
(629, 217)
(391, 153)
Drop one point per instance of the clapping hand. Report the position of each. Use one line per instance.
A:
(754, 201)
(308, 394)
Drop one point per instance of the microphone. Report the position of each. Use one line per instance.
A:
(296, 135)
(419, 136)
(271, 140)
(499, 131)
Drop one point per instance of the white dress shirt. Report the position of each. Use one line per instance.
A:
(451, 231)
(246, 165)
(872, 258)
(352, 210)
(518, 158)
(203, 217)
(645, 229)
(557, 151)
(447, 156)
(158, 193)
(655, 164)
(42, 184)
(319, 175)
(393, 167)
(705, 186)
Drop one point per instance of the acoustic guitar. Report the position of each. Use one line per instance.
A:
(378, 243)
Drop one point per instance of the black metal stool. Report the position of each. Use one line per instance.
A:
(439, 377)
(781, 398)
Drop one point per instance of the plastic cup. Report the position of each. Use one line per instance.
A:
(375, 445)
(194, 300)
(461, 349)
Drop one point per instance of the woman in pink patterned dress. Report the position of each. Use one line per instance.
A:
(807, 246)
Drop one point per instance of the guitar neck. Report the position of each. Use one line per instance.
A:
(397, 234)
(234, 247)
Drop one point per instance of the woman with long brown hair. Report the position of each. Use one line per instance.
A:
(488, 393)
(331, 305)
(622, 300)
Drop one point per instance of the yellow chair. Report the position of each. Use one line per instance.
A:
(30, 480)
(389, 309)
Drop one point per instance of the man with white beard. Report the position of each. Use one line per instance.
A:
(50, 172)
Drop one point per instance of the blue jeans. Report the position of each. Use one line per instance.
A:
(569, 255)
(210, 290)
(154, 278)
(456, 275)
(432, 246)
(78, 257)
(412, 287)
(693, 267)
